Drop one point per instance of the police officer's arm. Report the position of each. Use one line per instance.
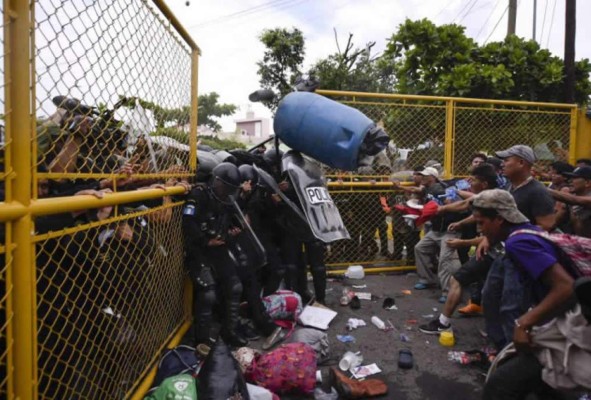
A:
(572, 199)
(194, 236)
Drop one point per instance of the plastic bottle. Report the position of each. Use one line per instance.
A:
(378, 323)
(463, 357)
(348, 294)
(355, 272)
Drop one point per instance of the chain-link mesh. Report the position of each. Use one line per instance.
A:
(5, 319)
(418, 130)
(379, 235)
(2, 104)
(113, 90)
(109, 295)
(5, 262)
(486, 130)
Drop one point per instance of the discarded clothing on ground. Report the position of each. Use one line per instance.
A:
(316, 339)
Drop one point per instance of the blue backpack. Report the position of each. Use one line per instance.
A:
(180, 360)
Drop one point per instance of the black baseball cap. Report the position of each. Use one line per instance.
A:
(581, 172)
(562, 167)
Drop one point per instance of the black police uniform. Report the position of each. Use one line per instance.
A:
(205, 217)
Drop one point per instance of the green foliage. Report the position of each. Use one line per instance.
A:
(208, 110)
(174, 133)
(441, 60)
(353, 69)
(282, 61)
(221, 144)
(183, 137)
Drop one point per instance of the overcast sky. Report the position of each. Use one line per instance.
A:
(227, 31)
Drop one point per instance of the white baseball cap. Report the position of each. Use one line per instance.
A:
(430, 171)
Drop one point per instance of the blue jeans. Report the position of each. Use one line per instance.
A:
(505, 297)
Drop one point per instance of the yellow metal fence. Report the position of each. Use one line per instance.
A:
(98, 133)
(450, 130)
(92, 285)
(444, 131)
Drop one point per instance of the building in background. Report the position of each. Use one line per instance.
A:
(252, 128)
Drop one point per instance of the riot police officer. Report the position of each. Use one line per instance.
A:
(209, 226)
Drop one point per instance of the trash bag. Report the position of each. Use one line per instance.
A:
(220, 376)
(374, 142)
(175, 387)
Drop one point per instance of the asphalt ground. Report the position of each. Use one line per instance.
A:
(433, 376)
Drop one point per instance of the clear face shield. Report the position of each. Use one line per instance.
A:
(224, 192)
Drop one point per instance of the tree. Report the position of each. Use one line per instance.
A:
(209, 109)
(441, 60)
(353, 69)
(282, 61)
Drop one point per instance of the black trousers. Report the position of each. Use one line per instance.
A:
(517, 378)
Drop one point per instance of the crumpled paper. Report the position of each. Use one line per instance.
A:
(354, 323)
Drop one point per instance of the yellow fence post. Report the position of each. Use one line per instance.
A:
(448, 158)
(19, 124)
(583, 136)
(194, 109)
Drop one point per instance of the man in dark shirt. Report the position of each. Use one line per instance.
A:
(579, 200)
(531, 196)
(533, 201)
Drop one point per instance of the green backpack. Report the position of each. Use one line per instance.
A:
(179, 387)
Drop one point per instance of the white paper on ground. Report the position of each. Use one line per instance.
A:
(363, 295)
(258, 393)
(366, 370)
(316, 317)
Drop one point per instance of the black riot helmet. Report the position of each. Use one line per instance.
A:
(225, 182)
(248, 173)
(273, 156)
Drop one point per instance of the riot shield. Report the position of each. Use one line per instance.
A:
(308, 182)
(292, 218)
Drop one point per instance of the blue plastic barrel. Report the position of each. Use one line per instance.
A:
(323, 129)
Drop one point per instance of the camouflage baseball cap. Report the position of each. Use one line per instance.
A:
(501, 201)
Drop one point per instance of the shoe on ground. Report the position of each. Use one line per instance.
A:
(470, 309)
(434, 327)
(442, 299)
(423, 286)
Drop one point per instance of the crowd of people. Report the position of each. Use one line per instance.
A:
(522, 278)
(244, 240)
(519, 278)
(98, 277)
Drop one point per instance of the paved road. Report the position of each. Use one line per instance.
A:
(433, 377)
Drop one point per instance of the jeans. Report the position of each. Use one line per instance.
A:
(505, 297)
